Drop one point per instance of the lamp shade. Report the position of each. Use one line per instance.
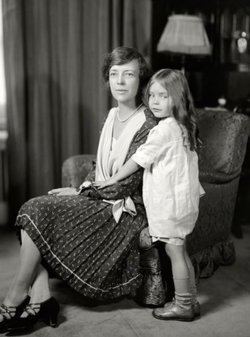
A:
(184, 34)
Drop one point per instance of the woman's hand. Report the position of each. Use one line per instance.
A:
(102, 184)
(85, 184)
(64, 191)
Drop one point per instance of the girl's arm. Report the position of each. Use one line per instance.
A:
(125, 171)
(129, 185)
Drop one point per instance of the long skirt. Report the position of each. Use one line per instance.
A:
(80, 241)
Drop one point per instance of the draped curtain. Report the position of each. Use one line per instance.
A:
(56, 98)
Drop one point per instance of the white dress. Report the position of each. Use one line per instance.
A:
(171, 187)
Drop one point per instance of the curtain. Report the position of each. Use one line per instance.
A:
(56, 98)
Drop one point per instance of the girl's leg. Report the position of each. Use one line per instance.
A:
(181, 308)
(191, 274)
(179, 268)
(30, 258)
(192, 281)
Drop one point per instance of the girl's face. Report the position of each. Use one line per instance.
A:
(160, 103)
(124, 81)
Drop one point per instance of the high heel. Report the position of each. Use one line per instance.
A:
(11, 313)
(46, 312)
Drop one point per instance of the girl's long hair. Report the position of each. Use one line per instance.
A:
(183, 107)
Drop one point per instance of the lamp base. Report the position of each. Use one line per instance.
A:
(183, 60)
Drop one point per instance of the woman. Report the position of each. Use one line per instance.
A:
(89, 239)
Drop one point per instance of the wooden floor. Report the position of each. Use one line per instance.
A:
(225, 300)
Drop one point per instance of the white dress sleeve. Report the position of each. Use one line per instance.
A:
(148, 152)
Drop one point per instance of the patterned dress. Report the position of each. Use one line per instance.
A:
(79, 239)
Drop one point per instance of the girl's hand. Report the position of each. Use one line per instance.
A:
(64, 191)
(102, 184)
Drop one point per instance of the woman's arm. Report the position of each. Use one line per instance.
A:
(125, 171)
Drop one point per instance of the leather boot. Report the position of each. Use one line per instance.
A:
(196, 308)
(180, 309)
(195, 304)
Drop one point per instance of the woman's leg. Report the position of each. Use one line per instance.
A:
(31, 274)
(30, 259)
(40, 291)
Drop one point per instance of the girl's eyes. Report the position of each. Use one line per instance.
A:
(164, 96)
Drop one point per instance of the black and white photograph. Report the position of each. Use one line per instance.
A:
(125, 168)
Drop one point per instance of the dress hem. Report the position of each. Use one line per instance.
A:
(69, 276)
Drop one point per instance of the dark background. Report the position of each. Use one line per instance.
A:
(226, 72)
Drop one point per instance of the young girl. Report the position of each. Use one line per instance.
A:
(171, 188)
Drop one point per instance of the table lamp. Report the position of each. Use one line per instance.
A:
(184, 35)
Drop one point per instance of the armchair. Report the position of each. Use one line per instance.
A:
(224, 137)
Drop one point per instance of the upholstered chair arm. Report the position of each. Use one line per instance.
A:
(76, 168)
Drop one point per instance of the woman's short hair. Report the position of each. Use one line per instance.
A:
(122, 55)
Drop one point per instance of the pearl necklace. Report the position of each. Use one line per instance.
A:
(127, 118)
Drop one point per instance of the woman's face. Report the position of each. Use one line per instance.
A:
(124, 81)
(159, 101)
